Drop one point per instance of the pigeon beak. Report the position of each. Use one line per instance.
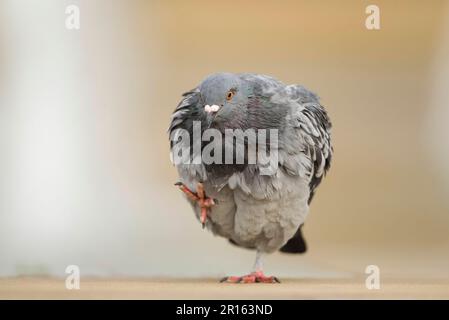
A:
(211, 109)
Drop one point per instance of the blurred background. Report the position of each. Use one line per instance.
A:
(85, 176)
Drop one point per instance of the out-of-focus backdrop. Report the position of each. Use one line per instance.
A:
(85, 176)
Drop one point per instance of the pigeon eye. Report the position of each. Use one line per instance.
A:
(229, 95)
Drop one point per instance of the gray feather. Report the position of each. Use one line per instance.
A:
(259, 211)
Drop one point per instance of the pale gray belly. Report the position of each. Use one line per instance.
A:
(265, 224)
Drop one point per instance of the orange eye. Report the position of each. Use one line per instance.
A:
(229, 95)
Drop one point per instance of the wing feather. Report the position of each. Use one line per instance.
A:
(313, 127)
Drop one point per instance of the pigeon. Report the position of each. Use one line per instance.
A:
(254, 204)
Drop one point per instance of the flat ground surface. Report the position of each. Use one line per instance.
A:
(323, 273)
(53, 288)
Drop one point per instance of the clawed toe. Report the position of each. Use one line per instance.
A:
(254, 277)
(200, 197)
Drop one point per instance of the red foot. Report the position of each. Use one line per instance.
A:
(253, 277)
(204, 202)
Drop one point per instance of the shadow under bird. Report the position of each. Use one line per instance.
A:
(239, 200)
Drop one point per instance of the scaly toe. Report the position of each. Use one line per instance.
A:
(267, 280)
(254, 277)
(231, 279)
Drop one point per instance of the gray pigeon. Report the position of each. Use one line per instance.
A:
(244, 201)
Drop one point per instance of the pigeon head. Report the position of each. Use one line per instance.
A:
(224, 99)
(240, 101)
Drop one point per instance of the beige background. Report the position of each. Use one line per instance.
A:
(85, 171)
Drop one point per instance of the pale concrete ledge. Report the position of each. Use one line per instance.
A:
(54, 288)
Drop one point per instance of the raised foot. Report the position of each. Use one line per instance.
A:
(253, 277)
(199, 196)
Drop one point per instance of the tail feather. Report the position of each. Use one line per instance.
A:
(296, 244)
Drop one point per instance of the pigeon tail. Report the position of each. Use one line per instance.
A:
(296, 244)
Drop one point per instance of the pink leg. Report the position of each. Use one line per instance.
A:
(199, 196)
(257, 276)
